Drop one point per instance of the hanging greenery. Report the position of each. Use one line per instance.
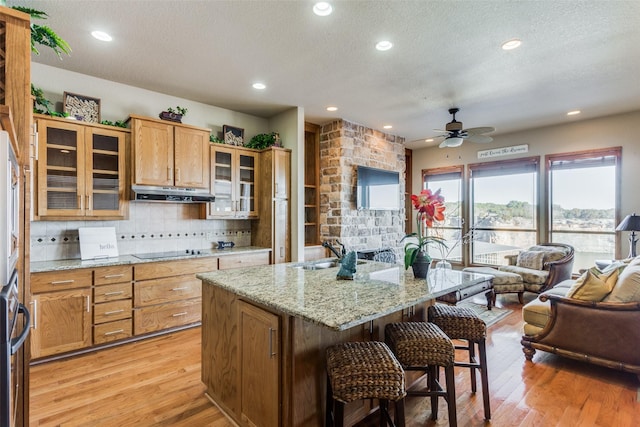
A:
(43, 35)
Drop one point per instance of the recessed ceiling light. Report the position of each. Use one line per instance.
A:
(102, 36)
(428, 140)
(332, 108)
(259, 86)
(573, 113)
(387, 126)
(511, 44)
(322, 8)
(384, 45)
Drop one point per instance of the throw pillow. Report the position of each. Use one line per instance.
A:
(628, 287)
(530, 259)
(594, 285)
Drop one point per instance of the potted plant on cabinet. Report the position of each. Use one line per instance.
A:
(174, 115)
(264, 140)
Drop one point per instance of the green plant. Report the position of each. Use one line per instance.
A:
(41, 100)
(262, 140)
(43, 35)
(178, 110)
(215, 139)
(117, 123)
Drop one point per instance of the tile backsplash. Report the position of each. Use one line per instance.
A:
(151, 227)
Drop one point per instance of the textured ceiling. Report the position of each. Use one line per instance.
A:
(575, 55)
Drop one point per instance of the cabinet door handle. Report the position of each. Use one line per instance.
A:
(177, 174)
(88, 303)
(117, 331)
(35, 141)
(272, 352)
(110, 294)
(180, 289)
(184, 313)
(62, 282)
(112, 276)
(89, 207)
(34, 303)
(109, 313)
(169, 177)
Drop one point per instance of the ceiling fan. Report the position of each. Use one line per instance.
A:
(455, 135)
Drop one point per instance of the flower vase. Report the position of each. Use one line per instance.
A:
(444, 264)
(420, 266)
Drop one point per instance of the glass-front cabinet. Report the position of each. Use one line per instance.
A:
(81, 170)
(233, 183)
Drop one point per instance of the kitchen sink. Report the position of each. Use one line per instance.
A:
(321, 265)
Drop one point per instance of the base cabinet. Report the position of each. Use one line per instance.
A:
(259, 366)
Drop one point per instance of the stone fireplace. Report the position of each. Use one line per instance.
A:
(343, 147)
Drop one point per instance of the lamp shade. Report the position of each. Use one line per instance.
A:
(629, 223)
(452, 141)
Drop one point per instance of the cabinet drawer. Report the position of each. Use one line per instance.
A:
(112, 331)
(115, 274)
(244, 260)
(155, 270)
(61, 280)
(165, 290)
(112, 292)
(109, 311)
(163, 316)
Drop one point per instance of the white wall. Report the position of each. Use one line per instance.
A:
(611, 131)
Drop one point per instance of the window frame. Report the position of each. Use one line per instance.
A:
(451, 170)
(583, 155)
(522, 162)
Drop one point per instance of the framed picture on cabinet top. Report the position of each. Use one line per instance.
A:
(233, 135)
(80, 107)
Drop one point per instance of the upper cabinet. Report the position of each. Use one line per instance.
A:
(233, 182)
(169, 154)
(80, 170)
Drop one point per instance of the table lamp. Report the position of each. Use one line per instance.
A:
(630, 223)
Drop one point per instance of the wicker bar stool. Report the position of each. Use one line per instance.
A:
(364, 370)
(422, 346)
(461, 323)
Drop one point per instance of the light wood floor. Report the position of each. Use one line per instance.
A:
(157, 383)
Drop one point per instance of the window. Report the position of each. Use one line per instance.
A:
(449, 180)
(585, 215)
(504, 208)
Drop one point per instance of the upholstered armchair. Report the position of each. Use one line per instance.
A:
(541, 266)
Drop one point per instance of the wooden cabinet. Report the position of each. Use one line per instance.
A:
(80, 170)
(169, 154)
(243, 260)
(112, 303)
(311, 185)
(61, 310)
(167, 294)
(233, 182)
(259, 366)
(272, 230)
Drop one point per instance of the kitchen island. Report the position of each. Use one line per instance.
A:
(265, 330)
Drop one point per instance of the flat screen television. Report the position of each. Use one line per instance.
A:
(378, 189)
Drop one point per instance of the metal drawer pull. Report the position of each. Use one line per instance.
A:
(180, 289)
(118, 331)
(34, 325)
(184, 313)
(61, 282)
(108, 294)
(272, 353)
(113, 276)
(109, 313)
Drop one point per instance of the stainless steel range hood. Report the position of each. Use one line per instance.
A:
(147, 193)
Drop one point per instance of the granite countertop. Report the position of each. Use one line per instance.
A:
(317, 296)
(70, 264)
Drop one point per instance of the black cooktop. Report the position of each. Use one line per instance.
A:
(170, 254)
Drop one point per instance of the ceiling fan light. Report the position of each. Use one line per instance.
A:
(453, 141)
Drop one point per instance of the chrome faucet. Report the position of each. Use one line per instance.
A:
(329, 246)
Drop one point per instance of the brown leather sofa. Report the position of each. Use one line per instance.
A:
(605, 333)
